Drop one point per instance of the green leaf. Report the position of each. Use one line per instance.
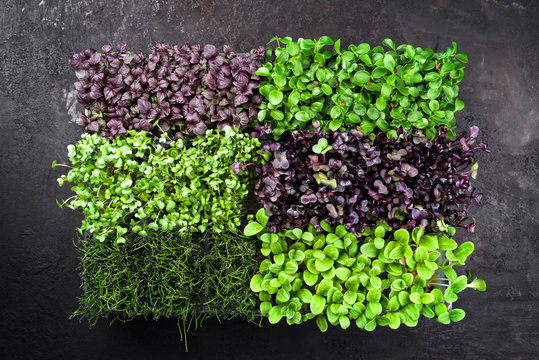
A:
(290, 267)
(277, 114)
(459, 105)
(322, 323)
(343, 273)
(427, 298)
(378, 72)
(261, 217)
(363, 48)
(310, 278)
(317, 305)
(464, 250)
(263, 71)
(369, 250)
(275, 97)
(252, 228)
(325, 40)
(337, 46)
(402, 236)
(367, 126)
(262, 115)
(294, 97)
(275, 315)
(421, 254)
(389, 62)
(432, 76)
(429, 242)
(306, 44)
(450, 296)
(292, 48)
(415, 297)
(449, 273)
(398, 285)
(389, 43)
(324, 225)
(397, 252)
(282, 296)
(448, 91)
(302, 116)
(344, 322)
(478, 284)
(335, 112)
(444, 318)
(256, 283)
(323, 265)
(424, 272)
(361, 77)
(386, 90)
(462, 58)
(370, 326)
(280, 80)
(326, 89)
(335, 124)
(457, 315)
(433, 93)
(373, 295)
(331, 252)
(321, 75)
(446, 243)
(459, 284)
(410, 51)
(380, 104)
(375, 281)
(265, 307)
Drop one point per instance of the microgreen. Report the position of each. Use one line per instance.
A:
(162, 274)
(379, 277)
(318, 80)
(180, 90)
(138, 184)
(355, 179)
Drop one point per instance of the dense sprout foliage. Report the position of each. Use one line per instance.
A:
(380, 277)
(316, 80)
(134, 183)
(168, 274)
(355, 180)
(175, 89)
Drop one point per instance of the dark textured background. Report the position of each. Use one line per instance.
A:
(38, 280)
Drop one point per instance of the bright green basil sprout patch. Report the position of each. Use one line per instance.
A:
(316, 83)
(134, 183)
(383, 277)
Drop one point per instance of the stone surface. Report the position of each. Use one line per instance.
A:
(39, 282)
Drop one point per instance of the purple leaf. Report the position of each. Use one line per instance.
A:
(144, 105)
(280, 161)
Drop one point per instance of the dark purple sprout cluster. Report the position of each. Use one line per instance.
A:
(406, 183)
(175, 89)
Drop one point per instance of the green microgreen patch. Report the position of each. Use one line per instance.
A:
(168, 274)
(379, 277)
(310, 84)
(136, 183)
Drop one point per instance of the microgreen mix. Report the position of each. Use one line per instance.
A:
(317, 80)
(355, 179)
(168, 274)
(361, 189)
(380, 277)
(176, 89)
(136, 183)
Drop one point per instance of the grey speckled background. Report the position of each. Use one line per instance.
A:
(38, 281)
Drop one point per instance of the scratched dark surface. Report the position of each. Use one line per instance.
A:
(38, 279)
